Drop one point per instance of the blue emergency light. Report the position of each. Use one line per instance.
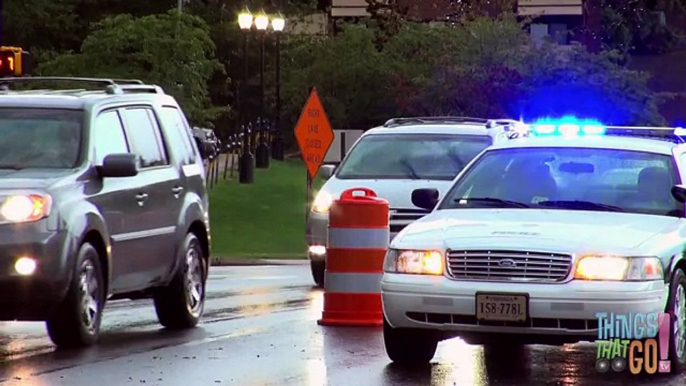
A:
(567, 126)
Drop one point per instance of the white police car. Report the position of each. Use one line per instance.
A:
(539, 234)
(402, 155)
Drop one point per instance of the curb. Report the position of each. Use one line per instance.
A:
(221, 262)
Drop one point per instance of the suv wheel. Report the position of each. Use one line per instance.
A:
(180, 304)
(676, 307)
(318, 269)
(77, 321)
(409, 347)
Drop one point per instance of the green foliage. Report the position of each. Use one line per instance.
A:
(351, 76)
(484, 67)
(635, 26)
(175, 52)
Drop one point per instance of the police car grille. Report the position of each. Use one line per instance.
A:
(508, 265)
(400, 218)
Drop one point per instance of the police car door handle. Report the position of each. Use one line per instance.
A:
(142, 196)
(177, 190)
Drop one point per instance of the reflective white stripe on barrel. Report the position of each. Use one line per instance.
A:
(358, 238)
(359, 283)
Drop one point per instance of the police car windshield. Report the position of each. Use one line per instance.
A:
(570, 179)
(39, 138)
(411, 156)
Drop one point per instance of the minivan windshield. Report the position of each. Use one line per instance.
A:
(411, 156)
(569, 178)
(40, 138)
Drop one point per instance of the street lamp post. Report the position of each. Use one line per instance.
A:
(278, 25)
(262, 150)
(245, 164)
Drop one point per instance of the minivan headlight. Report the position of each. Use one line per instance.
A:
(418, 262)
(26, 207)
(322, 203)
(618, 268)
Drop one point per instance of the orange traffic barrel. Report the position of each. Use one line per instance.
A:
(358, 237)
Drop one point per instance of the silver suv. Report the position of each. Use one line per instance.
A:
(103, 197)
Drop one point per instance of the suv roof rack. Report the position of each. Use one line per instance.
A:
(112, 86)
(492, 123)
(432, 120)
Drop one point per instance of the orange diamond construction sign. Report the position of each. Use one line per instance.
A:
(313, 133)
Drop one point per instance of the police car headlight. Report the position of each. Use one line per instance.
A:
(322, 203)
(418, 262)
(618, 268)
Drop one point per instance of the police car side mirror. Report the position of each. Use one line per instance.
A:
(425, 198)
(679, 193)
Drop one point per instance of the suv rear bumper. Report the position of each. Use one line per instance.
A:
(35, 296)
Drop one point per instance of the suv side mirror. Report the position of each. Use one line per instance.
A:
(679, 193)
(119, 165)
(326, 171)
(425, 198)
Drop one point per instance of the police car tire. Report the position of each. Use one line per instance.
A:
(409, 347)
(678, 363)
(318, 272)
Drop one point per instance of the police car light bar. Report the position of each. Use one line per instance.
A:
(570, 126)
(567, 126)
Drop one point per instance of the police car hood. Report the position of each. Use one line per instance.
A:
(565, 230)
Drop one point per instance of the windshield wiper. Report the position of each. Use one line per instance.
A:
(492, 200)
(581, 205)
(410, 169)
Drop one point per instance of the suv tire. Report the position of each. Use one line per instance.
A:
(76, 323)
(318, 272)
(180, 304)
(408, 347)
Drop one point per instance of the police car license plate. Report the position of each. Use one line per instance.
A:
(502, 307)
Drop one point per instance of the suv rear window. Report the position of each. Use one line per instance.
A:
(176, 128)
(411, 156)
(40, 138)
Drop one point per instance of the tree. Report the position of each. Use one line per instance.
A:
(171, 50)
(484, 67)
(351, 76)
(497, 71)
(573, 81)
(50, 27)
(635, 26)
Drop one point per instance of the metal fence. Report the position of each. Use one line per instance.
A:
(239, 153)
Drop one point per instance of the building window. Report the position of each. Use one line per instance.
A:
(539, 32)
(557, 32)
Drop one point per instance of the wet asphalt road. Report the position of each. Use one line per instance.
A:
(260, 329)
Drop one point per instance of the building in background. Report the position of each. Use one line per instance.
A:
(557, 19)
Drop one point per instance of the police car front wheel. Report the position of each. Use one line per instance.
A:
(676, 307)
(409, 347)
